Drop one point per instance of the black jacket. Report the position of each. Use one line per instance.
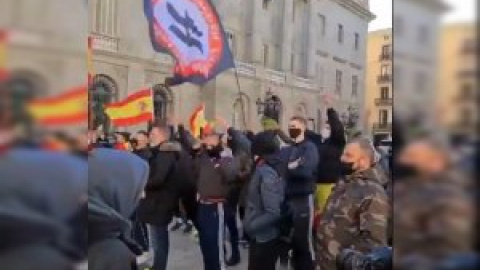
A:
(163, 186)
(330, 151)
(144, 153)
(301, 180)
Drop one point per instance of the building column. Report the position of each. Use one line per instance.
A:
(286, 35)
(311, 40)
(253, 35)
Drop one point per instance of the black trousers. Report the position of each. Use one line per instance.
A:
(263, 256)
(302, 242)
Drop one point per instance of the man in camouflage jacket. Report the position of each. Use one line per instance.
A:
(357, 210)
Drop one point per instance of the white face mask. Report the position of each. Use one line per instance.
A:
(326, 132)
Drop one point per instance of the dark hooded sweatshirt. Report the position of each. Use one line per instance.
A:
(116, 182)
(36, 202)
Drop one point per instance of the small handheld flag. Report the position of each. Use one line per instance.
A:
(135, 109)
(67, 108)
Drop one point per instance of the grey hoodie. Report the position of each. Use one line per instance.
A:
(266, 192)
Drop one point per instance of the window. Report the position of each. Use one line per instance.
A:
(265, 55)
(354, 86)
(357, 41)
(397, 78)
(384, 92)
(322, 24)
(292, 62)
(383, 117)
(398, 26)
(340, 33)
(231, 42)
(467, 91)
(423, 35)
(294, 10)
(320, 73)
(384, 70)
(106, 17)
(265, 4)
(338, 82)
(162, 102)
(421, 82)
(386, 52)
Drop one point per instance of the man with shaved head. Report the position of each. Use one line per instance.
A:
(356, 213)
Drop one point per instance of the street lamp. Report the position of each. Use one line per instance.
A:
(261, 105)
(270, 107)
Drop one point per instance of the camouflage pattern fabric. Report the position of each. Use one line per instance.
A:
(355, 217)
(433, 218)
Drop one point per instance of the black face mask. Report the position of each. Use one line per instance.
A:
(346, 168)
(404, 170)
(215, 151)
(294, 132)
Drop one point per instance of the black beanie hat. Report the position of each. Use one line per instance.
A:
(265, 143)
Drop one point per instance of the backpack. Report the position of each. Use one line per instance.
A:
(286, 213)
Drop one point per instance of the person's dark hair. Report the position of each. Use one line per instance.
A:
(300, 119)
(143, 132)
(164, 129)
(265, 143)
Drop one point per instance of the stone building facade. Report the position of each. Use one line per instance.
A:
(379, 89)
(416, 25)
(294, 52)
(458, 95)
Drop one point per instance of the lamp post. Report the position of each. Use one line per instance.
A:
(270, 107)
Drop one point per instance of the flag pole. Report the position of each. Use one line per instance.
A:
(244, 119)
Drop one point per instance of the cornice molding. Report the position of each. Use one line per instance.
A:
(356, 8)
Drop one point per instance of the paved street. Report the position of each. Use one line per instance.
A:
(185, 254)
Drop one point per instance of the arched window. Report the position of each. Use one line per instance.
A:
(273, 108)
(24, 86)
(162, 102)
(102, 92)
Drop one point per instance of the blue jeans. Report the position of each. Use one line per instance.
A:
(160, 243)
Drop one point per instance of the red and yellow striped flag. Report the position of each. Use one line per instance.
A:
(67, 108)
(135, 109)
(90, 69)
(3, 54)
(198, 123)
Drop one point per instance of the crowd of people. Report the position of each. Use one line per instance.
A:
(300, 200)
(276, 184)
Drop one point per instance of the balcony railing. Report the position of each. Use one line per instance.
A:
(276, 76)
(382, 127)
(105, 43)
(384, 78)
(245, 68)
(302, 82)
(385, 57)
(384, 101)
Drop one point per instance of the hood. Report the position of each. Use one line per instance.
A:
(170, 147)
(39, 190)
(116, 181)
(277, 161)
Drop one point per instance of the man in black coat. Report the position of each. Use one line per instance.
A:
(330, 149)
(162, 189)
(142, 149)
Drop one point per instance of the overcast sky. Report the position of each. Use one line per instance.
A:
(461, 10)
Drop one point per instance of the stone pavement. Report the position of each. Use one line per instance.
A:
(185, 254)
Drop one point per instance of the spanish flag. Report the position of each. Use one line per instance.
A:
(198, 124)
(68, 108)
(3, 55)
(135, 109)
